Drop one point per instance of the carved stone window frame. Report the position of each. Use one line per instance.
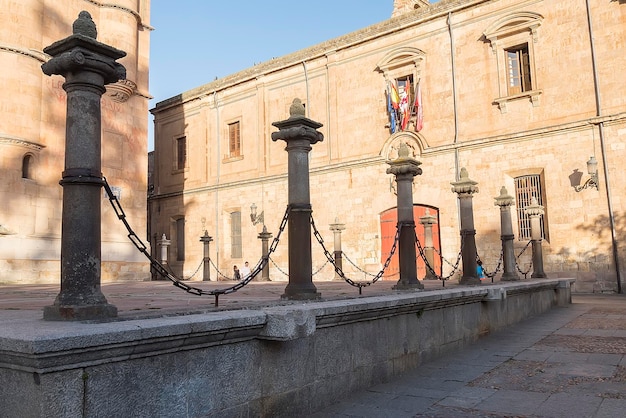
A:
(507, 32)
(175, 153)
(402, 62)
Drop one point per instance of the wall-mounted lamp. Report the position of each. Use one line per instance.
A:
(592, 181)
(253, 216)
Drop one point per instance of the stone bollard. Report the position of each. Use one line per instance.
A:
(534, 212)
(428, 221)
(405, 168)
(265, 237)
(206, 259)
(506, 234)
(299, 132)
(337, 228)
(87, 66)
(465, 188)
(163, 244)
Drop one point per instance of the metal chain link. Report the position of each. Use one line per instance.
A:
(278, 268)
(455, 266)
(530, 266)
(339, 271)
(161, 270)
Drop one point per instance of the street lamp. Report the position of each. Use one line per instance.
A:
(592, 181)
(253, 216)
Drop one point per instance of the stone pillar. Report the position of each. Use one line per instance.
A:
(534, 212)
(465, 188)
(506, 235)
(87, 66)
(428, 221)
(337, 228)
(405, 168)
(299, 132)
(206, 268)
(265, 237)
(163, 244)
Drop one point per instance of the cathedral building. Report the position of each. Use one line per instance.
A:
(32, 136)
(525, 94)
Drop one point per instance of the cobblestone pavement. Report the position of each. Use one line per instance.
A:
(569, 362)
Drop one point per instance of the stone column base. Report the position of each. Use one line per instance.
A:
(78, 312)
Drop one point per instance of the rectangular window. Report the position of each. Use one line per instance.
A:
(180, 239)
(181, 153)
(235, 235)
(518, 69)
(234, 139)
(527, 187)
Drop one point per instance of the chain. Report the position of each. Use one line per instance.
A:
(366, 273)
(161, 270)
(498, 266)
(278, 268)
(340, 272)
(530, 266)
(455, 266)
(197, 270)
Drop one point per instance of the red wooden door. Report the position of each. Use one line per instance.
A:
(388, 226)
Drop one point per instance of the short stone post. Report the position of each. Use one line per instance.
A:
(534, 212)
(337, 228)
(206, 259)
(405, 168)
(299, 132)
(163, 244)
(87, 66)
(506, 235)
(428, 221)
(265, 237)
(465, 188)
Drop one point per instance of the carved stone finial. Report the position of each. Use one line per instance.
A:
(296, 109)
(84, 25)
(504, 199)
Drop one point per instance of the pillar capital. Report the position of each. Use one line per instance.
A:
(428, 219)
(404, 164)
(337, 227)
(465, 186)
(203, 238)
(504, 200)
(81, 53)
(297, 126)
(534, 209)
(264, 234)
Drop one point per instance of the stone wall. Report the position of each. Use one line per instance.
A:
(278, 361)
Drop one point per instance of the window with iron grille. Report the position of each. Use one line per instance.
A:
(527, 187)
(180, 239)
(234, 139)
(235, 235)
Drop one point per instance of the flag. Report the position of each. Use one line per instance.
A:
(404, 105)
(395, 98)
(419, 106)
(391, 110)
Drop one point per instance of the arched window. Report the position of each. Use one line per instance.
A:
(27, 166)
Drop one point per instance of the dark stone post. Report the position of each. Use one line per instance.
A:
(206, 270)
(87, 66)
(265, 237)
(506, 235)
(534, 212)
(465, 188)
(337, 228)
(299, 132)
(405, 169)
(428, 221)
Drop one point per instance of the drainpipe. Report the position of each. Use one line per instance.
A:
(605, 167)
(217, 183)
(306, 81)
(456, 123)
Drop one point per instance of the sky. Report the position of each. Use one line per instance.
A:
(195, 41)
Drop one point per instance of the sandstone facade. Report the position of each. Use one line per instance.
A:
(32, 137)
(538, 118)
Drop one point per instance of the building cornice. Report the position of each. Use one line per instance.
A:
(13, 140)
(135, 14)
(387, 27)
